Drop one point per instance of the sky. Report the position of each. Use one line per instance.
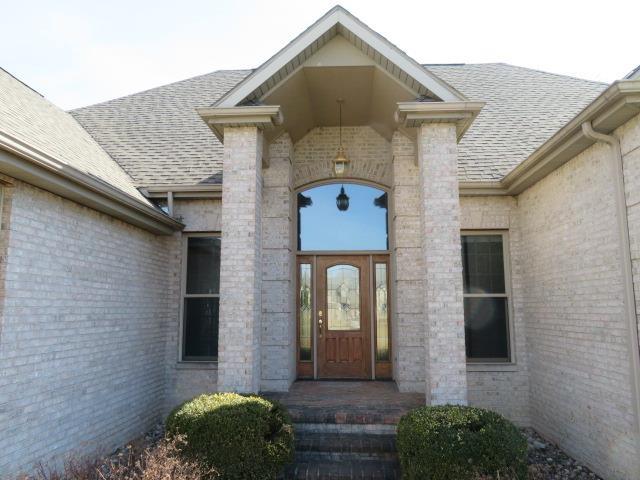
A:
(361, 227)
(78, 53)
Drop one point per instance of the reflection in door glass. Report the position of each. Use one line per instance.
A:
(382, 315)
(305, 312)
(343, 297)
(359, 224)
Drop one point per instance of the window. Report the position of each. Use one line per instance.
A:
(341, 217)
(201, 298)
(486, 301)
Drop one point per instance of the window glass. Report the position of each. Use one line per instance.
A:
(486, 331)
(483, 265)
(485, 298)
(305, 312)
(201, 298)
(203, 265)
(343, 297)
(359, 224)
(382, 314)
(201, 328)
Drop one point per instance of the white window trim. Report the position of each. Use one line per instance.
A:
(484, 365)
(184, 294)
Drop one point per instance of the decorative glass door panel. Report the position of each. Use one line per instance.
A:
(343, 325)
(343, 297)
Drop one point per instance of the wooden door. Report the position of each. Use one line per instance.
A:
(343, 316)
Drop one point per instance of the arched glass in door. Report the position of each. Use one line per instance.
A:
(342, 217)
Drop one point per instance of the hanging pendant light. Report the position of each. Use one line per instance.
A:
(341, 161)
(342, 200)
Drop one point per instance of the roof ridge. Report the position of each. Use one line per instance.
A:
(518, 67)
(553, 73)
(22, 82)
(239, 70)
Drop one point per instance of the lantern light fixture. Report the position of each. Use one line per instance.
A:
(342, 200)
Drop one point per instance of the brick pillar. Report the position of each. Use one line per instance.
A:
(408, 294)
(278, 317)
(445, 363)
(241, 262)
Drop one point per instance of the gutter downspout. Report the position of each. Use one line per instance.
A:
(625, 251)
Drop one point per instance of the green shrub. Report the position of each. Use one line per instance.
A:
(241, 437)
(452, 442)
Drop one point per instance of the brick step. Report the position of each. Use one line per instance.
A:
(343, 470)
(378, 415)
(344, 428)
(344, 447)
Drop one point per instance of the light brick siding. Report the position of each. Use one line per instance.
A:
(408, 324)
(241, 262)
(369, 153)
(278, 340)
(446, 375)
(83, 330)
(503, 388)
(185, 380)
(577, 334)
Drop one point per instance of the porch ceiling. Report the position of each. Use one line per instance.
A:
(308, 99)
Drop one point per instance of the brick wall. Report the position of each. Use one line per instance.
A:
(278, 339)
(241, 262)
(408, 323)
(186, 380)
(369, 153)
(503, 388)
(83, 330)
(446, 379)
(577, 335)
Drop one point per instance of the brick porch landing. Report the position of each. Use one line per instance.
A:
(347, 402)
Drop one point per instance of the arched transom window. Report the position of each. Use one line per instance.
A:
(342, 217)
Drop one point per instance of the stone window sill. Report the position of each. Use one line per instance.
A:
(197, 365)
(492, 367)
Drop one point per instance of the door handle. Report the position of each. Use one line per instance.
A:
(320, 322)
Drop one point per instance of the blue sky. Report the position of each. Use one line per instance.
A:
(361, 227)
(82, 52)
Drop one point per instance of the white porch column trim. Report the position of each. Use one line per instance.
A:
(446, 375)
(241, 261)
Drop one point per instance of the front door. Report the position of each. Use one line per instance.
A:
(343, 316)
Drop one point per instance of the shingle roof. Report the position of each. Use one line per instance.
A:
(29, 118)
(158, 137)
(523, 109)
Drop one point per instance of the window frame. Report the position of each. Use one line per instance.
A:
(184, 295)
(483, 363)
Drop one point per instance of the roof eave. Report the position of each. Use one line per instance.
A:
(611, 109)
(32, 166)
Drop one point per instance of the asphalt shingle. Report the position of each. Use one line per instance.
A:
(31, 119)
(158, 137)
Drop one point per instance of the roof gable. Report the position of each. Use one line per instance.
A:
(338, 21)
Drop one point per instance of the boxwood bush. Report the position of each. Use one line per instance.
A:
(238, 436)
(455, 442)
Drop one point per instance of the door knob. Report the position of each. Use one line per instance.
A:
(320, 323)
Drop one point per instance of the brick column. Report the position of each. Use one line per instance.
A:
(408, 295)
(278, 317)
(445, 363)
(241, 262)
